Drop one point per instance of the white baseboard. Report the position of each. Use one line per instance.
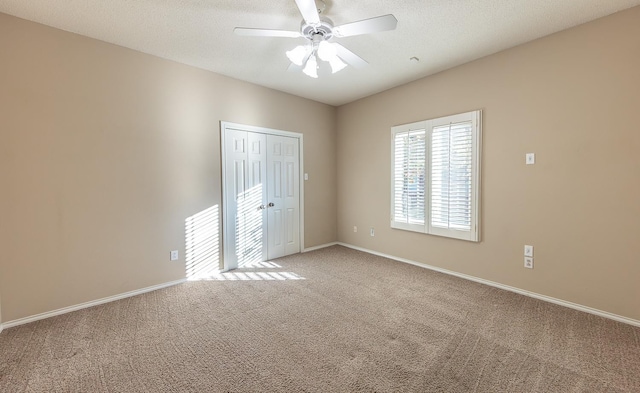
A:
(320, 246)
(549, 299)
(545, 298)
(92, 303)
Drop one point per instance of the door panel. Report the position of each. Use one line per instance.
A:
(239, 183)
(290, 224)
(276, 233)
(290, 181)
(276, 178)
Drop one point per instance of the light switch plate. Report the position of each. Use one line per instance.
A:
(530, 158)
(528, 251)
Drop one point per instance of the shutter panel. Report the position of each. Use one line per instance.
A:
(451, 176)
(409, 177)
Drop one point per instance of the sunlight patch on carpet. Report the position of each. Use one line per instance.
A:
(255, 276)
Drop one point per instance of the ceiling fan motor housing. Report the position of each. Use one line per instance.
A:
(323, 30)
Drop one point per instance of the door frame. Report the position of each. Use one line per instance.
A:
(224, 126)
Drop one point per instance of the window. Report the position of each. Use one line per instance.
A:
(435, 176)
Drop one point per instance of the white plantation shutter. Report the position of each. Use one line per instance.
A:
(435, 176)
(451, 159)
(409, 177)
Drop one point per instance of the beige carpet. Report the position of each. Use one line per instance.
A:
(333, 320)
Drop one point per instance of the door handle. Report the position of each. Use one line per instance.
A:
(262, 207)
(270, 204)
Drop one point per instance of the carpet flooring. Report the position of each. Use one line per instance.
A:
(332, 320)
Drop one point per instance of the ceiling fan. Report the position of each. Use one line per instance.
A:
(319, 31)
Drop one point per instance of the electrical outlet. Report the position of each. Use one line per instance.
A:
(528, 251)
(528, 262)
(530, 158)
(373, 232)
(174, 255)
(355, 228)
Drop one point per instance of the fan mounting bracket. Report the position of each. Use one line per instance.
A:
(320, 6)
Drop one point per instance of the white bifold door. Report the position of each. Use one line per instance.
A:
(261, 195)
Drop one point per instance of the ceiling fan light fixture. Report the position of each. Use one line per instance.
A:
(297, 55)
(326, 51)
(336, 64)
(311, 68)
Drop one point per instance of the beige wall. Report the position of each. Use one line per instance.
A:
(573, 99)
(106, 151)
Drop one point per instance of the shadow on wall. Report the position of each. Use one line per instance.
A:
(202, 244)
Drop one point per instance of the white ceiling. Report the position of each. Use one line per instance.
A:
(441, 33)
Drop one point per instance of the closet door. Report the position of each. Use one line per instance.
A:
(235, 186)
(251, 244)
(261, 196)
(283, 196)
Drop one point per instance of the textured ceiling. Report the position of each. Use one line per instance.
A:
(441, 33)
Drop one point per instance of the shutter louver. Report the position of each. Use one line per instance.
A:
(409, 177)
(451, 176)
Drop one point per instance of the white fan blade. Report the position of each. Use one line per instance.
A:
(266, 32)
(309, 11)
(373, 25)
(350, 57)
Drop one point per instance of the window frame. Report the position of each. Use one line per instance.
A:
(475, 117)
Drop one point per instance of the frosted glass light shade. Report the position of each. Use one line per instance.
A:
(311, 68)
(336, 64)
(326, 51)
(297, 55)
